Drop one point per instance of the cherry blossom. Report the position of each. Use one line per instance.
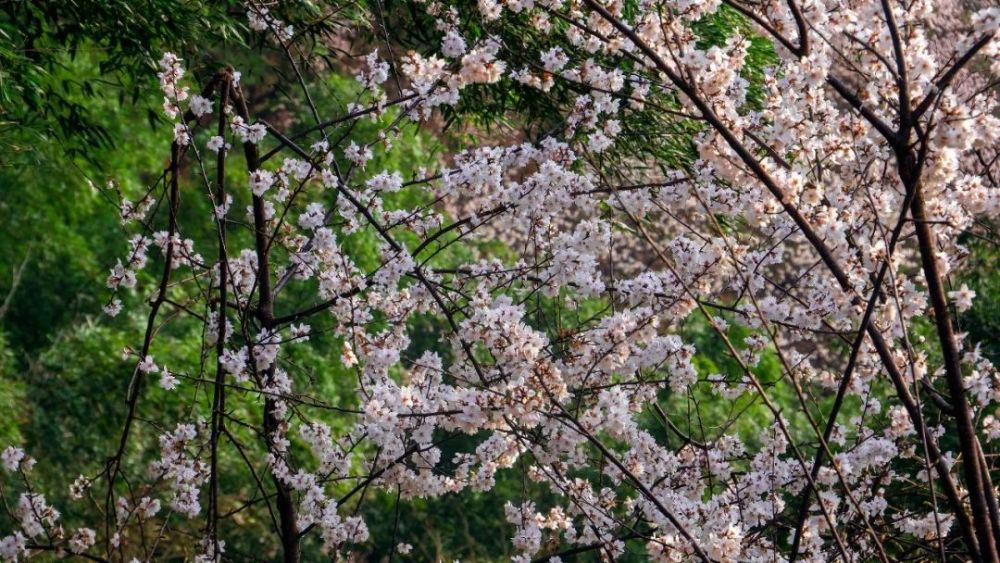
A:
(611, 316)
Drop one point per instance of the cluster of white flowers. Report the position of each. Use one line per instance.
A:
(82, 540)
(184, 471)
(35, 514)
(170, 75)
(374, 73)
(260, 18)
(247, 133)
(12, 547)
(12, 458)
(136, 211)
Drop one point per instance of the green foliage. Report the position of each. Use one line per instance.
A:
(11, 396)
(61, 230)
(982, 321)
(44, 94)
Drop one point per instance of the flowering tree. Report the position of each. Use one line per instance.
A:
(597, 301)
